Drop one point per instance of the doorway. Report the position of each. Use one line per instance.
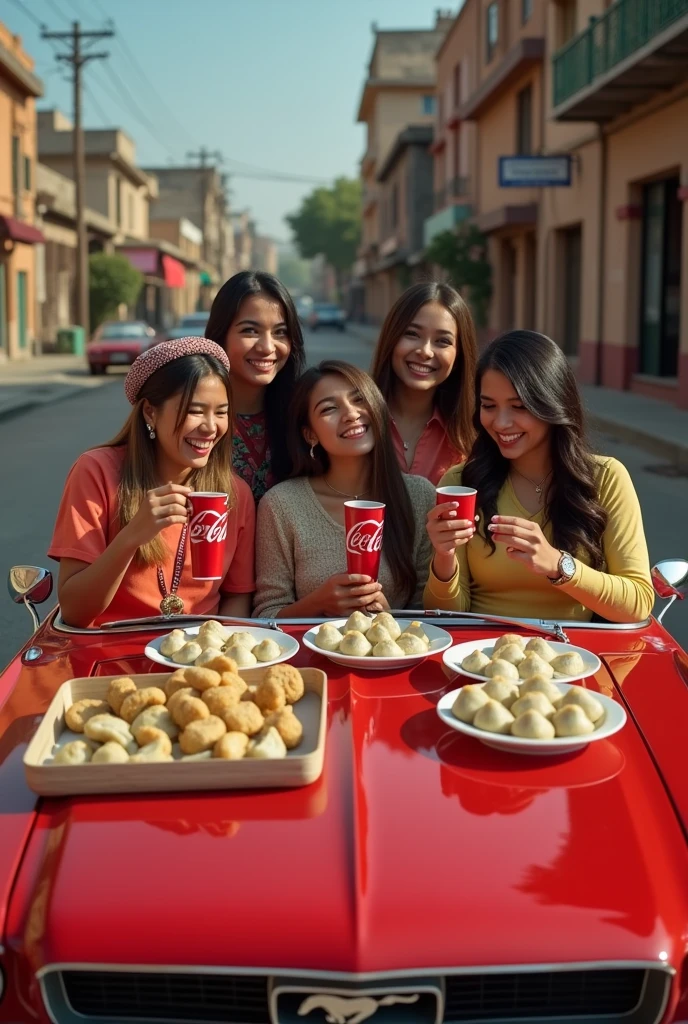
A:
(21, 309)
(661, 278)
(572, 249)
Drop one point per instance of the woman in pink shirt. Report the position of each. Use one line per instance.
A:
(424, 364)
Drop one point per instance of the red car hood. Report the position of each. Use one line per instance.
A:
(417, 848)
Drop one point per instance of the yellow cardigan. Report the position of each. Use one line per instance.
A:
(499, 585)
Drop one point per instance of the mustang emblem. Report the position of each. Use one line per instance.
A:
(349, 1009)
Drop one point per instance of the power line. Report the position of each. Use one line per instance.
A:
(96, 105)
(28, 12)
(60, 14)
(128, 103)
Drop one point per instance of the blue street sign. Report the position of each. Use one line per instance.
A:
(534, 171)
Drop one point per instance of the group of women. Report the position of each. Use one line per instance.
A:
(558, 531)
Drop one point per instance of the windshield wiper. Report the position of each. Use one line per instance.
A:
(535, 625)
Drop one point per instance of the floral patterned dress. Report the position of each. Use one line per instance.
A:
(251, 452)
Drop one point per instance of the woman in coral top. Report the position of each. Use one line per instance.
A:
(560, 532)
(121, 530)
(424, 365)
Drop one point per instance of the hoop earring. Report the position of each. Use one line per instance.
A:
(313, 450)
(151, 431)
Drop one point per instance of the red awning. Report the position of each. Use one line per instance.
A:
(173, 272)
(20, 231)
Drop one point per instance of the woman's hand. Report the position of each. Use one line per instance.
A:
(526, 543)
(346, 593)
(447, 533)
(161, 507)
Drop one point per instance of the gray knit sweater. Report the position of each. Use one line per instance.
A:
(299, 546)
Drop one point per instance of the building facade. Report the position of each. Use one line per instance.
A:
(19, 236)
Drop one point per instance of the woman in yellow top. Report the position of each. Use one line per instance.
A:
(559, 532)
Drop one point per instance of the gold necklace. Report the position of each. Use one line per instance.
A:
(533, 483)
(341, 493)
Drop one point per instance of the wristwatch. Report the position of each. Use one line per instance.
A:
(567, 569)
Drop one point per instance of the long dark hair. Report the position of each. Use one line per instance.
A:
(139, 470)
(386, 479)
(543, 380)
(223, 313)
(454, 396)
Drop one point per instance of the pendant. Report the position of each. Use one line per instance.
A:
(538, 489)
(171, 605)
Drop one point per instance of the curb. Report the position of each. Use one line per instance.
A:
(672, 451)
(19, 408)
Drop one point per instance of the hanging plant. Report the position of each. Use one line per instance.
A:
(463, 254)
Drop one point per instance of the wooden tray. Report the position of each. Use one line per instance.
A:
(299, 768)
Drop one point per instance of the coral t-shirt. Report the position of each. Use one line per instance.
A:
(88, 520)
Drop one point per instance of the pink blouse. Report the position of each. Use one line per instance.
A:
(434, 453)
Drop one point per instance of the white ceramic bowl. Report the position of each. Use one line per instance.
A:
(439, 639)
(455, 655)
(288, 644)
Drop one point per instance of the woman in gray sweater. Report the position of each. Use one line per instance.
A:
(341, 448)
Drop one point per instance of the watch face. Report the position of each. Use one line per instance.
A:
(567, 565)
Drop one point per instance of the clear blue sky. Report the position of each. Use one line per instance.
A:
(270, 83)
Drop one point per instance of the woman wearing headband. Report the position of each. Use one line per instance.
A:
(121, 530)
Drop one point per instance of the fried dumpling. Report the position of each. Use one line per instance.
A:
(509, 638)
(267, 650)
(389, 622)
(244, 657)
(468, 702)
(535, 700)
(537, 645)
(377, 634)
(412, 644)
(498, 667)
(173, 642)
(328, 637)
(493, 717)
(502, 690)
(475, 662)
(388, 649)
(415, 628)
(531, 725)
(541, 684)
(569, 664)
(359, 622)
(510, 652)
(268, 745)
(110, 753)
(571, 720)
(534, 665)
(355, 644)
(187, 654)
(585, 700)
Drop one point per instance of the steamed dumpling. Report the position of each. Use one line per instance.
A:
(213, 626)
(569, 664)
(389, 622)
(536, 645)
(172, 643)
(510, 652)
(571, 720)
(212, 640)
(475, 662)
(585, 700)
(534, 665)
(267, 650)
(532, 725)
(208, 655)
(377, 634)
(242, 655)
(469, 702)
(509, 638)
(355, 644)
(387, 649)
(241, 639)
(498, 667)
(541, 684)
(187, 654)
(328, 637)
(412, 644)
(359, 622)
(493, 717)
(416, 629)
(502, 690)
(535, 700)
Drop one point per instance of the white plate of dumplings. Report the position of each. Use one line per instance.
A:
(249, 646)
(377, 643)
(518, 657)
(537, 717)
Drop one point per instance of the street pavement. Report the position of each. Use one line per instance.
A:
(40, 445)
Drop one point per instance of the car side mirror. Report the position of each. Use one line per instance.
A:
(30, 585)
(670, 580)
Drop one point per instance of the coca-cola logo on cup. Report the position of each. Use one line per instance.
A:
(364, 538)
(209, 526)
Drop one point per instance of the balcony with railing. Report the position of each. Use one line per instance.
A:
(634, 50)
(454, 188)
(452, 205)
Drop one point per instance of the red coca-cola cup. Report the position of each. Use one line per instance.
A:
(364, 521)
(207, 534)
(464, 496)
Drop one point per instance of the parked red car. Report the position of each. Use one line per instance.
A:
(424, 877)
(118, 343)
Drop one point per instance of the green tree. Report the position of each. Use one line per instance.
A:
(293, 272)
(463, 254)
(112, 281)
(329, 222)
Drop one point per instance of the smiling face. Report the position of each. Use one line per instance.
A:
(338, 419)
(425, 354)
(502, 414)
(257, 343)
(188, 446)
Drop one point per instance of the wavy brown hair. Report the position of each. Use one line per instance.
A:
(180, 378)
(543, 380)
(386, 481)
(453, 397)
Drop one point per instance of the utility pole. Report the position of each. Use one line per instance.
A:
(78, 57)
(204, 156)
